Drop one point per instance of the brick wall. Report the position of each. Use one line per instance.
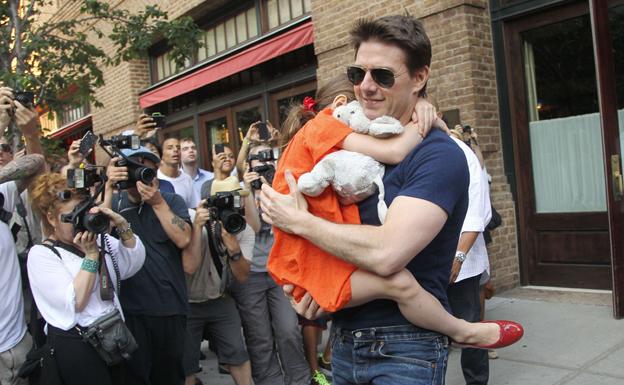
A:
(120, 95)
(462, 77)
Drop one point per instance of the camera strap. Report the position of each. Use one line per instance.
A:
(5, 216)
(215, 246)
(107, 291)
(21, 211)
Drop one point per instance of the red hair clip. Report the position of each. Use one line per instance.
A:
(309, 104)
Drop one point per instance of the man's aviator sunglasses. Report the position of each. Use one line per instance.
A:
(382, 76)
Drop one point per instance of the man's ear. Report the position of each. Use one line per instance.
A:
(419, 79)
(339, 100)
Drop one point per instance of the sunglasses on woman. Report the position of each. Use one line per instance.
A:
(382, 76)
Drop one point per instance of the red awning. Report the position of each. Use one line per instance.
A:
(71, 127)
(267, 50)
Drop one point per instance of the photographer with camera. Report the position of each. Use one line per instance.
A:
(269, 322)
(258, 133)
(75, 276)
(155, 299)
(15, 177)
(220, 251)
(223, 166)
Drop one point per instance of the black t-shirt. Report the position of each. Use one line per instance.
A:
(159, 288)
(436, 171)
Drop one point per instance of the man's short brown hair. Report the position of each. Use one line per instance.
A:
(405, 32)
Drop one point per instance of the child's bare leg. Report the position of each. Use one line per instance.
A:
(418, 306)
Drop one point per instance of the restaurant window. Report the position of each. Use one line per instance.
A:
(226, 34)
(282, 11)
(563, 116)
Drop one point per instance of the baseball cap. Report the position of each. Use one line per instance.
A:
(142, 152)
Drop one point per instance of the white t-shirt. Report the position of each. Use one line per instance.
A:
(52, 282)
(12, 324)
(183, 186)
(477, 216)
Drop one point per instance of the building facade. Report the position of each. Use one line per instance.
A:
(518, 71)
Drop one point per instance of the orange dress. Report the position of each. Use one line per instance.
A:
(293, 259)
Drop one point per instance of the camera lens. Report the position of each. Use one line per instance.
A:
(96, 223)
(145, 175)
(232, 222)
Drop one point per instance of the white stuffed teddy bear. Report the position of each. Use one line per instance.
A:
(352, 175)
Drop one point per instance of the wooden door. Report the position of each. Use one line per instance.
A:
(559, 159)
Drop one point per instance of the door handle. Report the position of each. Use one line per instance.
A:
(616, 178)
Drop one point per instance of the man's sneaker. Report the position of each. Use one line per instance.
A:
(319, 378)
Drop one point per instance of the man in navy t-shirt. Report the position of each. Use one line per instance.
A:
(427, 198)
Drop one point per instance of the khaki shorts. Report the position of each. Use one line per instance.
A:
(12, 360)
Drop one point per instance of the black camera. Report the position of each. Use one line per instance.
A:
(83, 178)
(265, 170)
(26, 98)
(123, 141)
(83, 220)
(467, 129)
(228, 208)
(265, 155)
(136, 172)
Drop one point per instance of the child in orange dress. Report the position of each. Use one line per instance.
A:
(332, 282)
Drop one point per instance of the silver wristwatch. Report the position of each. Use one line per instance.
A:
(461, 257)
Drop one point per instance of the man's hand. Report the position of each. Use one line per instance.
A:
(252, 133)
(19, 154)
(6, 107)
(229, 241)
(202, 215)
(248, 177)
(307, 307)
(455, 270)
(74, 155)
(149, 193)
(114, 173)
(424, 115)
(145, 126)
(26, 119)
(283, 211)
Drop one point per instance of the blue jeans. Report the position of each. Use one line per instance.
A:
(392, 355)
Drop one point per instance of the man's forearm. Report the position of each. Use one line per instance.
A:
(22, 170)
(360, 245)
(240, 269)
(33, 144)
(191, 255)
(178, 230)
(466, 240)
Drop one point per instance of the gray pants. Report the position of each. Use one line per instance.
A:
(12, 360)
(270, 328)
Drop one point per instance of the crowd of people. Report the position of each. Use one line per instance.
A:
(131, 268)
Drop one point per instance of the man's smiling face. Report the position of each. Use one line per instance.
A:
(397, 101)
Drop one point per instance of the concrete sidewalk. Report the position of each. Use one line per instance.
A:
(570, 338)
